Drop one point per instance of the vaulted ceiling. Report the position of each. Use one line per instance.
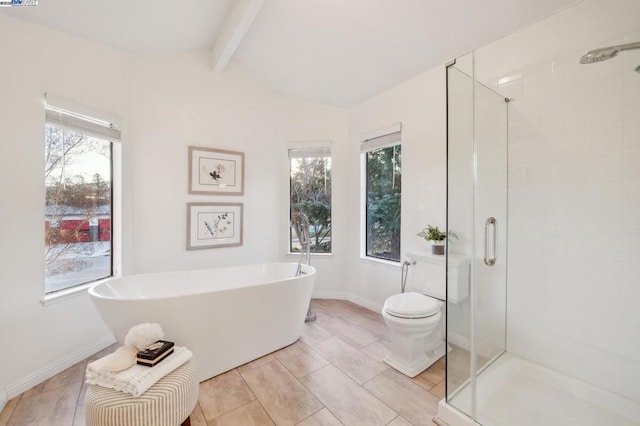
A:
(338, 52)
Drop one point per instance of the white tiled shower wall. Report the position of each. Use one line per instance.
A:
(574, 196)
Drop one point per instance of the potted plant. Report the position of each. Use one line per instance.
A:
(436, 237)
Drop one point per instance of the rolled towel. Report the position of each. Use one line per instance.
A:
(136, 379)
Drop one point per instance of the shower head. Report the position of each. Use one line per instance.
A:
(604, 53)
(599, 55)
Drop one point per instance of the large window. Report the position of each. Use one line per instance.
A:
(383, 166)
(78, 209)
(310, 189)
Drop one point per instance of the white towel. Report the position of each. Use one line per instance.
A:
(137, 378)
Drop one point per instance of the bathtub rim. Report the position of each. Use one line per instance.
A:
(93, 289)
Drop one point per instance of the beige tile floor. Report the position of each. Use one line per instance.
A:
(333, 375)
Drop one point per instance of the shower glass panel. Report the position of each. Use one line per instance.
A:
(477, 213)
(460, 221)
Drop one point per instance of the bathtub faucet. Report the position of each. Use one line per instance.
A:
(300, 223)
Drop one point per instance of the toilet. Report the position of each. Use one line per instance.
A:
(416, 318)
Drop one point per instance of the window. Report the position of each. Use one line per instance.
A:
(383, 189)
(78, 199)
(310, 193)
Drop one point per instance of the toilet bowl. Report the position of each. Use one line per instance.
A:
(416, 318)
(416, 322)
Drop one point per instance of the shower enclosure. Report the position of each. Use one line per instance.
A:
(544, 193)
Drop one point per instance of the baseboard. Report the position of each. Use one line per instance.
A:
(3, 399)
(51, 370)
(348, 296)
(330, 295)
(459, 340)
(365, 303)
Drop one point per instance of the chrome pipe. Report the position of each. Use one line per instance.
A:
(404, 274)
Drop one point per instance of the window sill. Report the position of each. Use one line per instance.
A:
(70, 293)
(318, 255)
(380, 262)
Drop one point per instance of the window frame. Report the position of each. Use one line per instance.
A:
(380, 139)
(113, 136)
(308, 146)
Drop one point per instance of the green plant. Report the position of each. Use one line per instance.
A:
(383, 213)
(432, 233)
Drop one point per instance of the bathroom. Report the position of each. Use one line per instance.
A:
(581, 275)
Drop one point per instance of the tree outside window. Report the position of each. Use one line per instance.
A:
(384, 189)
(77, 215)
(310, 191)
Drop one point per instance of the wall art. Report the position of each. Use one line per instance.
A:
(214, 225)
(215, 171)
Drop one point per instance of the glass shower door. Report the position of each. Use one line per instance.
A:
(490, 225)
(477, 213)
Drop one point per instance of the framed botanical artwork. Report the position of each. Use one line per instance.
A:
(214, 225)
(215, 171)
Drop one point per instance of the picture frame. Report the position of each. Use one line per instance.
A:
(215, 171)
(211, 225)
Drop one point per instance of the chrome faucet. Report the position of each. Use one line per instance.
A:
(300, 223)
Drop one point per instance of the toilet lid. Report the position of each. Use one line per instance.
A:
(411, 305)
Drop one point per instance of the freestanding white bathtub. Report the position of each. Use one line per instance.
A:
(226, 316)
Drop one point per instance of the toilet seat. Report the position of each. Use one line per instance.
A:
(411, 305)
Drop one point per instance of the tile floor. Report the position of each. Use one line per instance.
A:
(333, 375)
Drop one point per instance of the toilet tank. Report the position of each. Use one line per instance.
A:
(427, 276)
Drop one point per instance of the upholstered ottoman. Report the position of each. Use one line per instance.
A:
(169, 402)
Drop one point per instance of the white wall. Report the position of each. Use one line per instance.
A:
(166, 102)
(37, 339)
(419, 104)
(308, 123)
(574, 193)
(177, 102)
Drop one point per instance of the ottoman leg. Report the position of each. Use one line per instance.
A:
(187, 422)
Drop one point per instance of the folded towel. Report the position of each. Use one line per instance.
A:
(123, 358)
(137, 378)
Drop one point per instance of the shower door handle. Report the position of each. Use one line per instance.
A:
(489, 261)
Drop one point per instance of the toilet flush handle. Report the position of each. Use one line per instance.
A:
(489, 261)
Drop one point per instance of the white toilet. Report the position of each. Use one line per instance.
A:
(416, 318)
